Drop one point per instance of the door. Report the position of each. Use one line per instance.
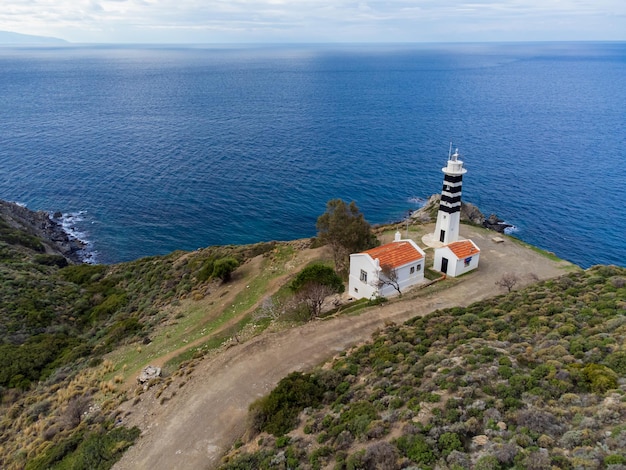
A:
(444, 265)
(442, 236)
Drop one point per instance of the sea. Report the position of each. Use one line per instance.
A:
(150, 149)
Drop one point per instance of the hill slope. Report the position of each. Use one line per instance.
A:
(534, 379)
(191, 420)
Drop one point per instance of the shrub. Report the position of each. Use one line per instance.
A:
(98, 450)
(277, 412)
(617, 362)
(487, 462)
(83, 273)
(108, 307)
(358, 417)
(51, 260)
(448, 442)
(539, 421)
(600, 377)
(320, 274)
(538, 460)
(615, 459)
(224, 267)
(381, 455)
(415, 448)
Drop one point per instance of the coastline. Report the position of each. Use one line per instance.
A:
(50, 228)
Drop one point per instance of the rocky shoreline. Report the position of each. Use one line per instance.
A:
(45, 226)
(469, 214)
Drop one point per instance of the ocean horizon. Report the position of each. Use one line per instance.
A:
(151, 149)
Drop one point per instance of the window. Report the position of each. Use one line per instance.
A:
(363, 276)
(419, 267)
(468, 261)
(412, 269)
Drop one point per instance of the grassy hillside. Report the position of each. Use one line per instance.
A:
(535, 379)
(58, 321)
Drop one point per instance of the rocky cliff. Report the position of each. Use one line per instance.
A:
(44, 226)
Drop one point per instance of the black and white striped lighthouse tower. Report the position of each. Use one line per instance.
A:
(449, 215)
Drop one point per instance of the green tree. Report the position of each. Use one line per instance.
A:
(224, 267)
(344, 228)
(319, 273)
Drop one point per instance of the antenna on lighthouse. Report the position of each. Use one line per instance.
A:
(450, 151)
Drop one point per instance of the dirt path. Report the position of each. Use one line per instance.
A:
(225, 296)
(195, 428)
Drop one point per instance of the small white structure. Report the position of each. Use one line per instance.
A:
(449, 215)
(457, 258)
(401, 262)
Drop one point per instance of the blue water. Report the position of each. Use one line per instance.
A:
(161, 148)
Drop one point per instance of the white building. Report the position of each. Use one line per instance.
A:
(457, 258)
(449, 215)
(400, 262)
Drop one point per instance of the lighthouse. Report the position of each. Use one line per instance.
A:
(449, 215)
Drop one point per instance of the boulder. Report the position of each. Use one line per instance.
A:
(148, 373)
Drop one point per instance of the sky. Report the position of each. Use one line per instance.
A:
(315, 21)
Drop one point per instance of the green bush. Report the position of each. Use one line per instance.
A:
(98, 450)
(320, 274)
(224, 267)
(17, 237)
(614, 459)
(277, 413)
(448, 442)
(51, 260)
(487, 462)
(358, 417)
(108, 307)
(206, 271)
(600, 377)
(617, 362)
(415, 448)
(83, 273)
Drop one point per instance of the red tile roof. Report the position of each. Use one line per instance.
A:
(395, 254)
(463, 249)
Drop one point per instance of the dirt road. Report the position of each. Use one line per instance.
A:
(205, 417)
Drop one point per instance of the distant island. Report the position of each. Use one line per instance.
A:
(8, 38)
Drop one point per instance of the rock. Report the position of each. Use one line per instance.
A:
(46, 228)
(469, 214)
(495, 223)
(480, 440)
(148, 373)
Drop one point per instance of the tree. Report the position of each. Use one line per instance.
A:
(344, 228)
(388, 276)
(313, 284)
(313, 295)
(507, 281)
(224, 267)
(320, 274)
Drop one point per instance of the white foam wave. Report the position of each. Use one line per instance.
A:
(420, 201)
(511, 230)
(70, 222)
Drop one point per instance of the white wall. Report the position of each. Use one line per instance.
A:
(456, 267)
(357, 288)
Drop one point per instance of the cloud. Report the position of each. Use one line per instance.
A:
(314, 20)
